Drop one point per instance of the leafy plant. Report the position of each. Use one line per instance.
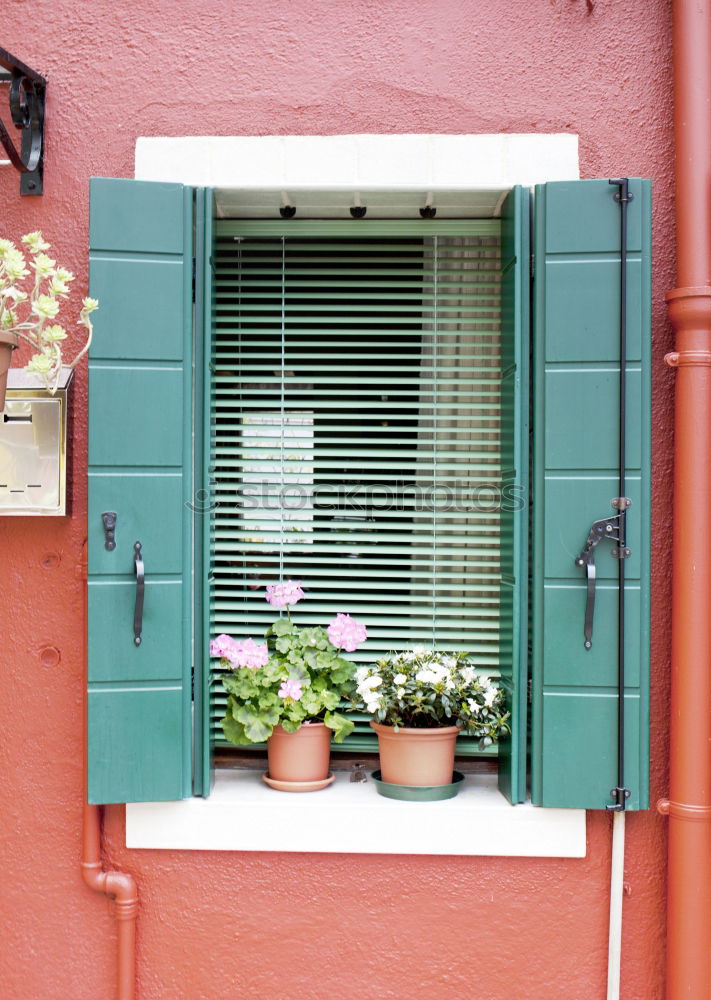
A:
(297, 676)
(30, 314)
(423, 688)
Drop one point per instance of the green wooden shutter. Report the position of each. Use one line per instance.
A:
(513, 649)
(139, 743)
(389, 338)
(576, 399)
(203, 769)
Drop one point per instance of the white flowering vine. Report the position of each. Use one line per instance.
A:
(29, 312)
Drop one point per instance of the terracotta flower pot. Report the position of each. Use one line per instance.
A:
(8, 343)
(299, 757)
(416, 757)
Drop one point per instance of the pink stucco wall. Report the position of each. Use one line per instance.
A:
(259, 926)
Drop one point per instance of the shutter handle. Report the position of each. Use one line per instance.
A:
(612, 529)
(140, 588)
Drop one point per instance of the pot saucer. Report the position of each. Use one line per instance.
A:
(418, 793)
(298, 786)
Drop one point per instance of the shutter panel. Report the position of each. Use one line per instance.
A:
(139, 743)
(576, 420)
(203, 769)
(513, 651)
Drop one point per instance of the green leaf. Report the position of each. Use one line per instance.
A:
(281, 627)
(340, 725)
(257, 725)
(330, 700)
(234, 731)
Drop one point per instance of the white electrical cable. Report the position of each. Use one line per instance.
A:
(617, 888)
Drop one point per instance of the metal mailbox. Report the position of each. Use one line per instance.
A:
(33, 446)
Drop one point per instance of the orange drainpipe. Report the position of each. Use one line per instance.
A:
(689, 802)
(120, 886)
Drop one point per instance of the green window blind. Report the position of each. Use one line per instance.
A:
(355, 434)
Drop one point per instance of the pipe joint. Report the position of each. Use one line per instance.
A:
(690, 309)
(126, 909)
(93, 875)
(122, 886)
(684, 811)
(679, 359)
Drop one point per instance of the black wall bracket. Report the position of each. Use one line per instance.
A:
(27, 103)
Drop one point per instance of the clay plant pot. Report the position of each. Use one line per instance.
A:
(299, 761)
(8, 343)
(416, 757)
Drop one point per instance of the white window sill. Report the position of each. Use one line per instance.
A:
(243, 814)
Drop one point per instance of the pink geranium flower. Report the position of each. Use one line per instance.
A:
(346, 633)
(286, 594)
(290, 689)
(250, 654)
(246, 653)
(222, 646)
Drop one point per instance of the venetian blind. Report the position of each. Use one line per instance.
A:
(355, 407)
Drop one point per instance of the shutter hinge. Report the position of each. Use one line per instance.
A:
(194, 276)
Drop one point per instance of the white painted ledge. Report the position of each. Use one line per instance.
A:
(361, 162)
(243, 814)
(462, 176)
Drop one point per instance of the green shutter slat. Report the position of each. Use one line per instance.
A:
(371, 385)
(203, 769)
(513, 649)
(576, 303)
(139, 740)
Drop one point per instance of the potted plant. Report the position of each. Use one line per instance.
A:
(286, 691)
(420, 700)
(30, 315)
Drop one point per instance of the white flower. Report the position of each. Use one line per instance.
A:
(88, 305)
(490, 696)
(58, 287)
(370, 682)
(426, 676)
(14, 293)
(420, 650)
(398, 678)
(54, 333)
(15, 265)
(44, 265)
(468, 674)
(361, 673)
(35, 242)
(45, 306)
(474, 706)
(400, 692)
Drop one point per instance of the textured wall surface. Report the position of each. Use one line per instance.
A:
(285, 926)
